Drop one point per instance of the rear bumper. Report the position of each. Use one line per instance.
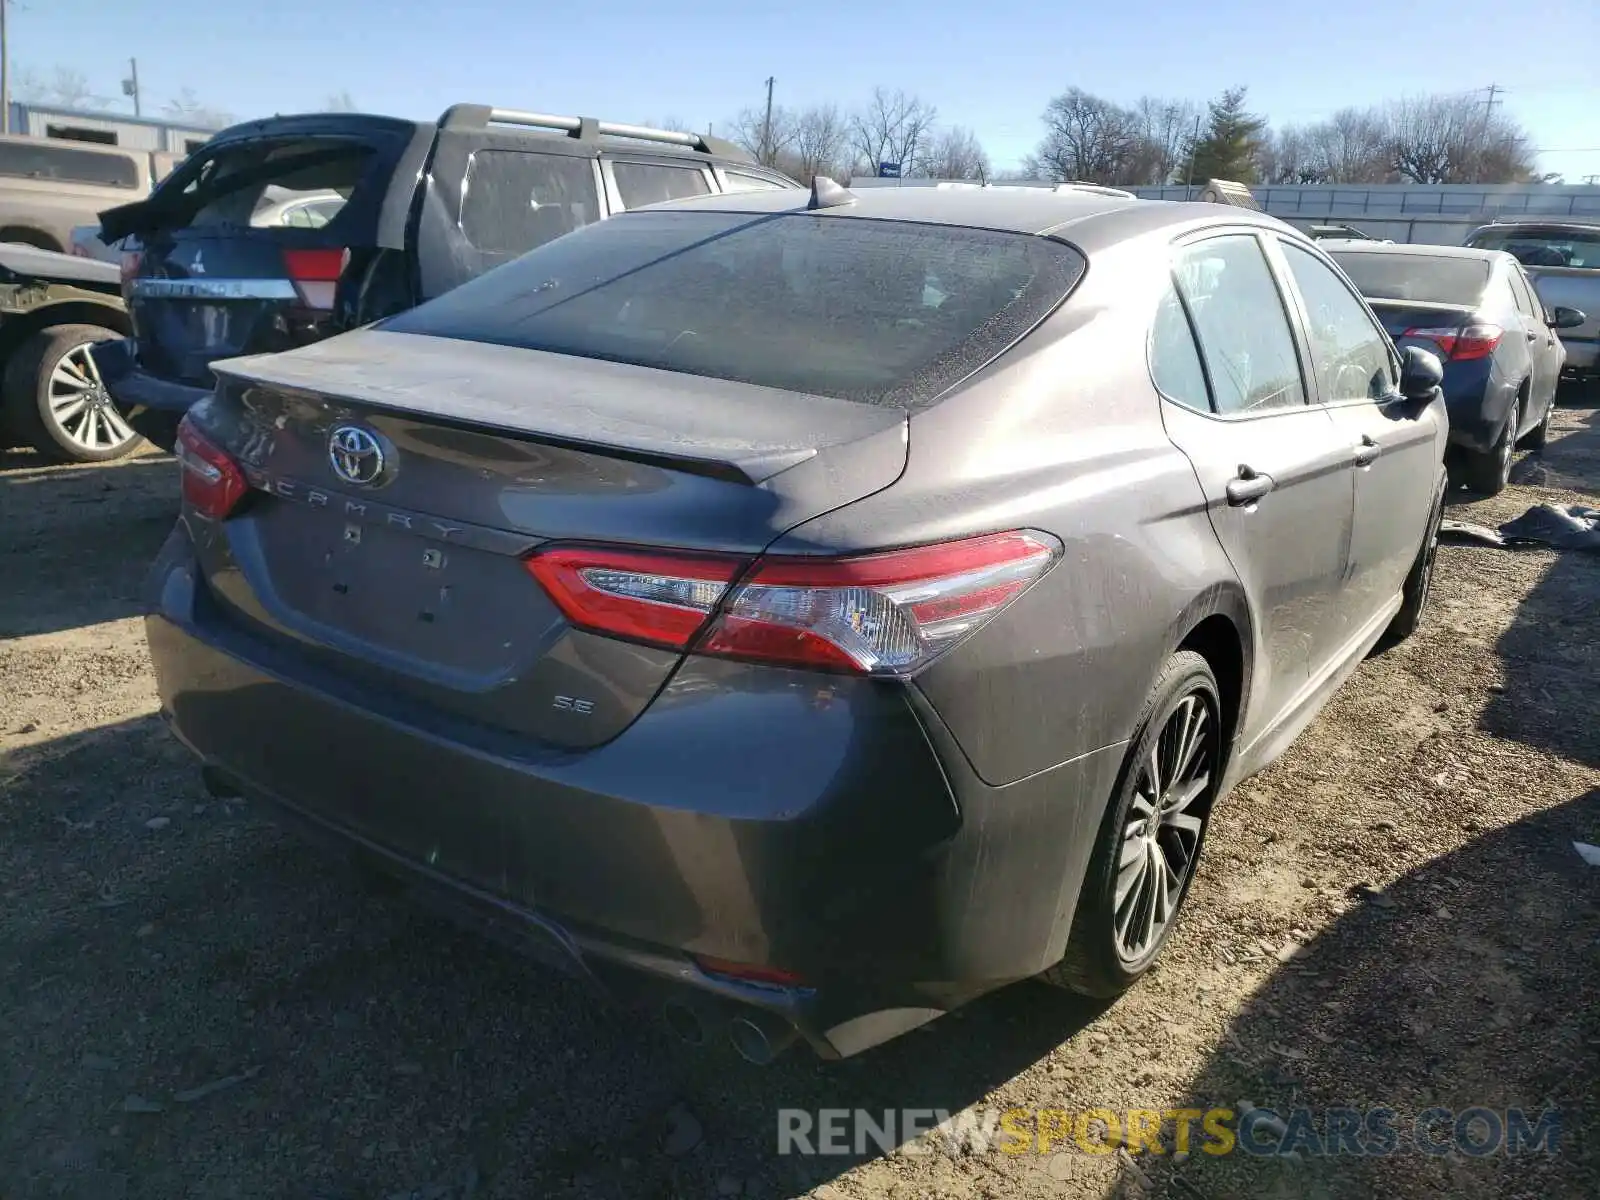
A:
(153, 406)
(1478, 399)
(828, 827)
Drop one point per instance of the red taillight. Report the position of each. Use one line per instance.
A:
(748, 972)
(881, 614)
(1460, 345)
(315, 274)
(213, 484)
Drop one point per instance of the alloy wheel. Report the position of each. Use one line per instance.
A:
(1161, 835)
(1508, 443)
(81, 407)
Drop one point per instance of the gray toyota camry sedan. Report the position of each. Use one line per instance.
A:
(820, 609)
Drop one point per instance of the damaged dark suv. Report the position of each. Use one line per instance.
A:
(287, 230)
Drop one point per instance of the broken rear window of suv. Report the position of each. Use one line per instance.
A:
(883, 312)
(264, 183)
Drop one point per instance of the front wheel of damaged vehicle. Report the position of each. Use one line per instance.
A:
(55, 400)
(1150, 839)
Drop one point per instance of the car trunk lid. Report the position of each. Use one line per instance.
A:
(414, 579)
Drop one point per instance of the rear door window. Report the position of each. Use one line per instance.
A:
(63, 164)
(1244, 331)
(651, 183)
(882, 312)
(513, 201)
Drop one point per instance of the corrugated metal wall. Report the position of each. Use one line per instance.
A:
(130, 133)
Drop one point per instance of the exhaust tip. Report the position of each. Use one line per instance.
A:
(684, 1022)
(759, 1040)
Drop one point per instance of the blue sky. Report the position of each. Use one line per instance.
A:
(991, 66)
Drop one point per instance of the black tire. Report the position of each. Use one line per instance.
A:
(1539, 438)
(1096, 962)
(25, 394)
(1487, 473)
(1418, 584)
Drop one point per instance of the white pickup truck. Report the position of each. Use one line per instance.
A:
(1563, 260)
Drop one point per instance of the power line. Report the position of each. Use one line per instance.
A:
(1494, 89)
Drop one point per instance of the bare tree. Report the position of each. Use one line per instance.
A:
(817, 145)
(675, 124)
(954, 153)
(1454, 139)
(1166, 127)
(1351, 147)
(766, 141)
(891, 127)
(1090, 139)
(340, 101)
(1289, 155)
(65, 87)
(187, 108)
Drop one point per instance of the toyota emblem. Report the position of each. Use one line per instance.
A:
(355, 454)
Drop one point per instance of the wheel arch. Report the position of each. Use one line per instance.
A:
(31, 235)
(16, 330)
(1217, 626)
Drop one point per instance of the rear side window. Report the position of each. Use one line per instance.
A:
(259, 183)
(1244, 331)
(651, 183)
(1424, 278)
(1522, 292)
(738, 181)
(513, 201)
(880, 312)
(63, 164)
(1174, 359)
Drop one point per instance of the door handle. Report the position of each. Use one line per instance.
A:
(1367, 451)
(1248, 486)
(1533, 336)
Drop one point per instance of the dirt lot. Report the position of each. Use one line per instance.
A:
(1394, 915)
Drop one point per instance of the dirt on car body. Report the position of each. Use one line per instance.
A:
(1393, 917)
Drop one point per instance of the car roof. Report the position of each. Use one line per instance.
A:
(1421, 249)
(1087, 219)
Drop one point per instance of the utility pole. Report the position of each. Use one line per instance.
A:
(1494, 89)
(5, 72)
(766, 127)
(1194, 144)
(130, 85)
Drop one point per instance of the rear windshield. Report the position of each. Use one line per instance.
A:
(873, 311)
(66, 165)
(1428, 278)
(1545, 248)
(277, 183)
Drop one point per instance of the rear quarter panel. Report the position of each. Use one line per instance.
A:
(1063, 435)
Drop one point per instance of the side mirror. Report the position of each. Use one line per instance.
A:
(1562, 317)
(1421, 373)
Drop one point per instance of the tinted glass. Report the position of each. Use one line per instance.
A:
(874, 311)
(1425, 278)
(1174, 360)
(1350, 351)
(19, 160)
(1545, 248)
(1244, 332)
(513, 201)
(738, 181)
(648, 183)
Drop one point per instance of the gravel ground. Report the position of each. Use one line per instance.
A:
(194, 1005)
